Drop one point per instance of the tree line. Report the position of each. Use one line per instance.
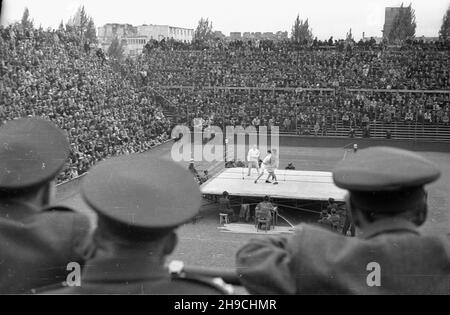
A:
(82, 27)
(403, 29)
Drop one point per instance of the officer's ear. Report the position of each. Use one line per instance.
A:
(356, 215)
(170, 243)
(348, 203)
(48, 193)
(421, 214)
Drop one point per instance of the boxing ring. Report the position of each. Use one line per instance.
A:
(306, 191)
(292, 185)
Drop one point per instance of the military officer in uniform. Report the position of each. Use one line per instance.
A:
(140, 200)
(37, 241)
(388, 256)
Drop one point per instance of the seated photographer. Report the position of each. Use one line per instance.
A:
(264, 208)
(225, 207)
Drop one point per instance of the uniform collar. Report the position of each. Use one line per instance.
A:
(388, 225)
(123, 266)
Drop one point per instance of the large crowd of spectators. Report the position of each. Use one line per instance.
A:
(301, 88)
(305, 112)
(46, 74)
(283, 65)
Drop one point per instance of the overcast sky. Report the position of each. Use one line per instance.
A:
(327, 17)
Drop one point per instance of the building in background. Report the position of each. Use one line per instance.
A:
(255, 36)
(235, 36)
(133, 45)
(219, 35)
(278, 36)
(107, 32)
(159, 32)
(134, 38)
(427, 39)
(390, 13)
(377, 39)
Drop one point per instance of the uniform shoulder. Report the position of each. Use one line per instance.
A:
(311, 228)
(189, 285)
(198, 285)
(66, 215)
(56, 288)
(71, 225)
(309, 234)
(61, 211)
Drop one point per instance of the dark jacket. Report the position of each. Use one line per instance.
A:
(35, 247)
(224, 205)
(132, 271)
(317, 261)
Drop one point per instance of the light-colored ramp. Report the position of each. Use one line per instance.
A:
(243, 228)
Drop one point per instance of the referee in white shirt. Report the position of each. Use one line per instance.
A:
(253, 158)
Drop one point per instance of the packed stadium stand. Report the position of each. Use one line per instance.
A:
(327, 89)
(284, 66)
(44, 73)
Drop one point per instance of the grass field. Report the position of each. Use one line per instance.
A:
(202, 244)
